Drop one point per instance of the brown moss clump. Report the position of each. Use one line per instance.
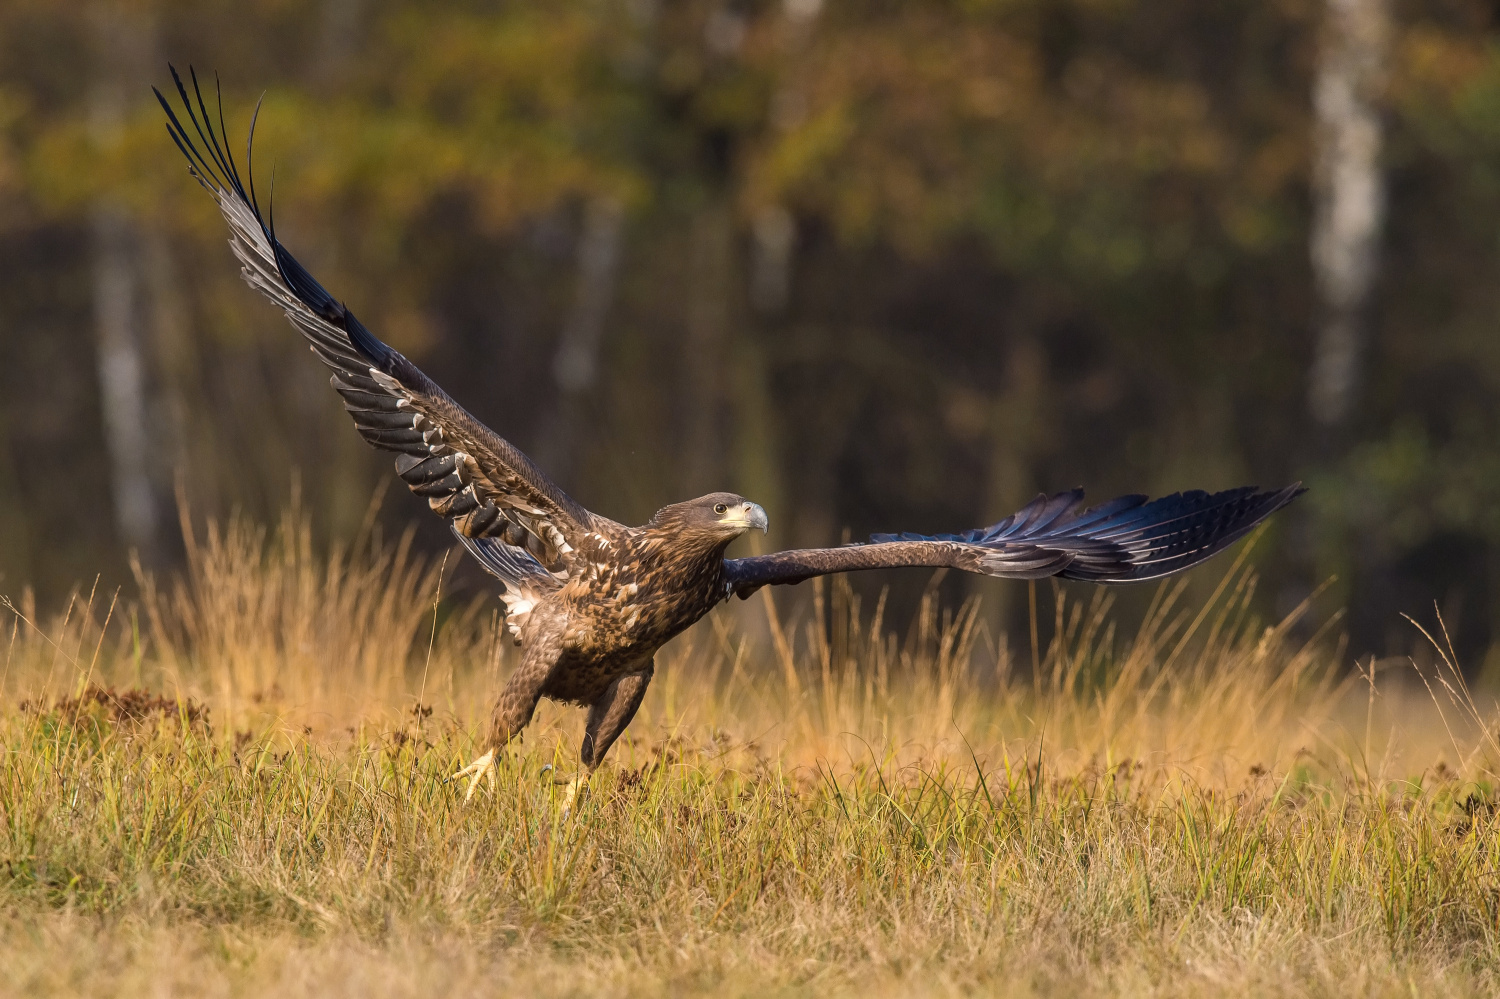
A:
(119, 708)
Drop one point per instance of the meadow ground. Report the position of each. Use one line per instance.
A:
(233, 785)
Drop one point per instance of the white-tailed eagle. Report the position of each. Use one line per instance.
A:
(590, 600)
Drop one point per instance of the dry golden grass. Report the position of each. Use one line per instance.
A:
(805, 805)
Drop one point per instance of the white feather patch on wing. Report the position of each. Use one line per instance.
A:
(526, 581)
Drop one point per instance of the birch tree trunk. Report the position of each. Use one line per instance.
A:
(1349, 198)
(575, 366)
(125, 43)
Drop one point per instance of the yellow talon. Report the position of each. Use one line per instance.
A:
(482, 767)
(575, 785)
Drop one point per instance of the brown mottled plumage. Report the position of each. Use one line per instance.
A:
(590, 600)
(592, 638)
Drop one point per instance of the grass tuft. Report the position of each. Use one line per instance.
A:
(808, 803)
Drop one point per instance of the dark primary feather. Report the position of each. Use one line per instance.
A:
(466, 472)
(1125, 540)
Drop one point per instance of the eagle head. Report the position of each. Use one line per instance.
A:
(717, 516)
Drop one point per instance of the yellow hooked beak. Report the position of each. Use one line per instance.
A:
(749, 514)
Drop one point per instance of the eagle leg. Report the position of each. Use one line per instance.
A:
(609, 715)
(607, 718)
(514, 709)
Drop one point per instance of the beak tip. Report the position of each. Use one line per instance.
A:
(757, 518)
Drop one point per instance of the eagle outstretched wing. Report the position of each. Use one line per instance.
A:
(1123, 541)
(467, 473)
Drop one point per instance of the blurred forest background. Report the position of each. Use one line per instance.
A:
(879, 266)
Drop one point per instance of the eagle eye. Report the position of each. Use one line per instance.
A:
(720, 508)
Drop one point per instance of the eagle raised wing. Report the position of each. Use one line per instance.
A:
(467, 473)
(1123, 541)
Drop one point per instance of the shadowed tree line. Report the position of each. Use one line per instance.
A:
(878, 266)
